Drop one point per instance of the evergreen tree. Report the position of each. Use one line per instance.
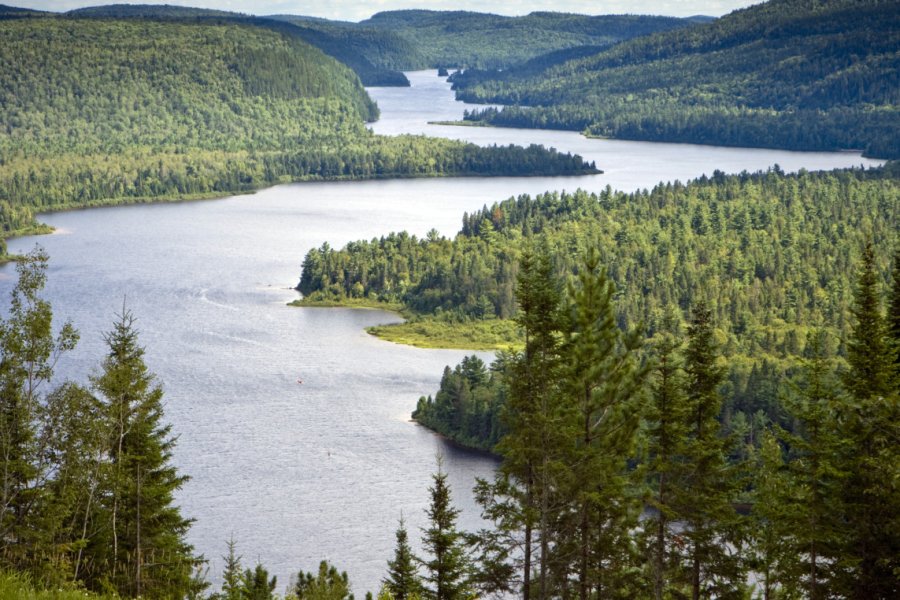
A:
(403, 579)
(893, 316)
(519, 499)
(706, 503)
(666, 426)
(808, 505)
(774, 553)
(257, 585)
(871, 420)
(232, 575)
(601, 389)
(145, 547)
(533, 419)
(327, 584)
(448, 569)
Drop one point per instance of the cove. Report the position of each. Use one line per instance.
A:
(323, 469)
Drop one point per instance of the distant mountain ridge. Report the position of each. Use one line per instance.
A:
(796, 74)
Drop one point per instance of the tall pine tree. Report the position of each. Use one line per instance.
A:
(145, 548)
(601, 385)
(403, 578)
(447, 569)
(519, 500)
(665, 472)
(706, 502)
(871, 419)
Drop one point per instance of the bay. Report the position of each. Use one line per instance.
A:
(323, 469)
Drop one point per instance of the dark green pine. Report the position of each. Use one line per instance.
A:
(145, 544)
(706, 503)
(403, 578)
(448, 571)
(893, 316)
(871, 422)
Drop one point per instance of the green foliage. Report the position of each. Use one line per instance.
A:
(467, 407)
(870, 418)
(17, 586)
(601, 390)
(446, 330)
(705, 501)
(28, 352)
(142, 549)
(665, 428)
(327, 584)
(791, 74)
(257, 585)
(468, 39)
(402, 581)
(447, 568)
(771, 254)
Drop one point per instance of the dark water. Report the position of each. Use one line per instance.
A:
(323, 469)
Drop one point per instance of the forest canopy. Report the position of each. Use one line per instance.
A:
(791, 74)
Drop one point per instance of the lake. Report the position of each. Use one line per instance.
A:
(299, 472)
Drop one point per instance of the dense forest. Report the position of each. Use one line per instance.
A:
(100, 111)
(419, 39)
(348, 47)
(595, 425)
(792, 74)
(480, 40)
(770, 254)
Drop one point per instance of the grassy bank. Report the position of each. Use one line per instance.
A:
(434, 332)
(428, 331)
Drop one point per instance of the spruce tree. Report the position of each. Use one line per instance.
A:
(327, 584)
(871, 419)
(893, 316)
(233, 584)
(145, 547)
(447, 569)
(601, 394)
(257, 585)
(665, 472)
(706, 502)
(403, 578)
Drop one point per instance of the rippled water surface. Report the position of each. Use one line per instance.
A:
(297, 472)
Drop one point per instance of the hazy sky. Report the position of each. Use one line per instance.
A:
(355, 10)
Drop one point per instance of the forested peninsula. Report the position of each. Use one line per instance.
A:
(790, 74)
(770, 253)
(106, 111)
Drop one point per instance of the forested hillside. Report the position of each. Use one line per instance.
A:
(347, 46)
(795, 74)
(482, 40)
(105, 110)
(771, 254)
(420, 39)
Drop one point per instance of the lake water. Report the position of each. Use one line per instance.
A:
(323, 469)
